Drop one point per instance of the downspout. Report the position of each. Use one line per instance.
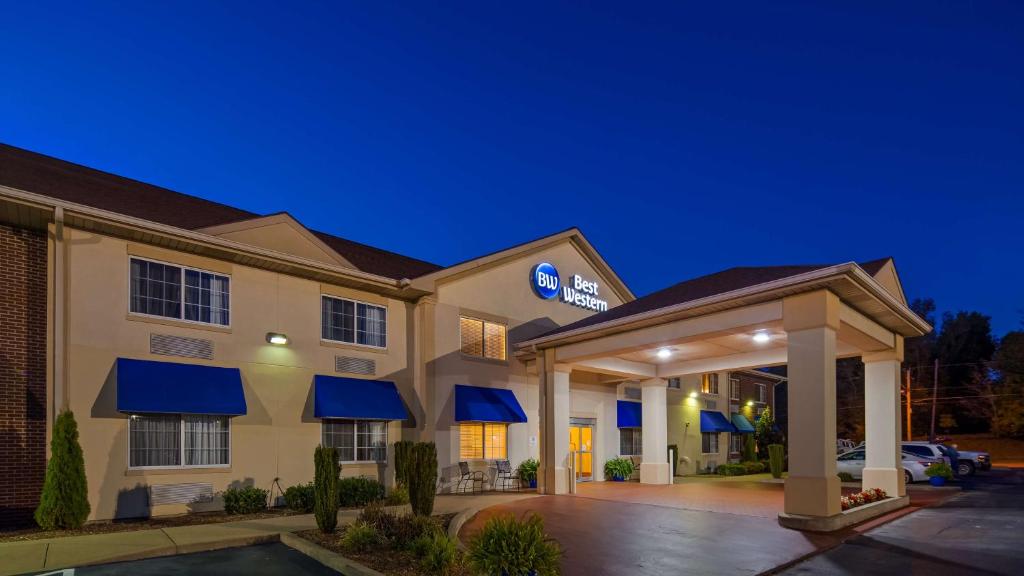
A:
(60, 391)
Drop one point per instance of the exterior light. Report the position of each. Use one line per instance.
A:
(761, 337)
(750, 402)
(278, 339)
(664, 353)
(693, 394)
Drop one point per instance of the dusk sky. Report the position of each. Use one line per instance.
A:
(681, 138)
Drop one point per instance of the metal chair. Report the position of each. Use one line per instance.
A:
(470, 477)
(507, 476)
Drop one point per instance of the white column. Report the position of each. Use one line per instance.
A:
(554, 470)
(811, 321)
(883, 465)
(654, 468)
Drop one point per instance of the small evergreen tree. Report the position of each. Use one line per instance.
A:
(765, 432)
(423, 478)
(64, 502)
(748, 448)
(776, 459)
(403, 453)
(325, 488)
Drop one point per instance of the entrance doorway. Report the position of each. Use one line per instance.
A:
(581, 443)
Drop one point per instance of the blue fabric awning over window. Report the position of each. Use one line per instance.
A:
(337, 397)
(630, 414)
(147, 386)
(479, 404)
(711, 421)
(743, 426)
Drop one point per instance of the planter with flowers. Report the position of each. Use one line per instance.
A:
(862, 498)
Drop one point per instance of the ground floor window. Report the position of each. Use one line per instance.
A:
(735, 443)
(483, 441)
(631, 442)
(357, 440)
(175, 440)
(709, 442)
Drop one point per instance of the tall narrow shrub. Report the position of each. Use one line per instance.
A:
(423, 478)
(403, 452)
(748, 448)
(775, 458)
(64, 502)
(325, 488)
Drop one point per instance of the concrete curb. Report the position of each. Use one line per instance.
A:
(458, 521)
(332, 560)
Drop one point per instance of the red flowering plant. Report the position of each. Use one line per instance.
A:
(862, 498)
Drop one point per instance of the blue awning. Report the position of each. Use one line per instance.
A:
(479, 404)
(147, 386)
(337, 397)
(743, 426)
(631, 414)
(711, 421)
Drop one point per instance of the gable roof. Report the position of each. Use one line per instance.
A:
(702, 287)
(40, 174)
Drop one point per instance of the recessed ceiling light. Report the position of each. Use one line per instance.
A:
(664, 353)
(761, 337)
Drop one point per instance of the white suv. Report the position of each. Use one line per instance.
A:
(966, 465)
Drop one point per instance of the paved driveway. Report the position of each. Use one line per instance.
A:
(708, 527)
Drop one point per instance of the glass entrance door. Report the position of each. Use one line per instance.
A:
(581, 443)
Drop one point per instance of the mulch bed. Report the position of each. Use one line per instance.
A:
(129, 525)
(386, 560)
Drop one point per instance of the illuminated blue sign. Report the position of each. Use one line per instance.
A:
(544, 279)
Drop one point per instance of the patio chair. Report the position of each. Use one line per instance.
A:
(506, 476)
(469, 477)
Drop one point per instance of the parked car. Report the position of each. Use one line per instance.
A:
(967, 462)
(852, 463)
(844, 445)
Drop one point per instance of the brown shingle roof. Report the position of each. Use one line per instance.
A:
(70, 182)
(703, 287)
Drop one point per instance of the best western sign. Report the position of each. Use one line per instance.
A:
(546, 284)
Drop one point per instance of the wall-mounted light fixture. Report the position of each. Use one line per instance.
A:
(693, 394)
(750, 402)
(278, 339)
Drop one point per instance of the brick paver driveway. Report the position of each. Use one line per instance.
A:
(688, 528)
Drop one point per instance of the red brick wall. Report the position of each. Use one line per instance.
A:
(22, 372)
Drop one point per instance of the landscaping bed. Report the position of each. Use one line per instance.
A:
(386, 559)
(132, 524)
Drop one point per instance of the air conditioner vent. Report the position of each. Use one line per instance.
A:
(183, 346)
(351, 365)
(630, 393)
(180, 493)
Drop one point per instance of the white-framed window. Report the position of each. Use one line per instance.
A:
(353, 322)
(179, 441)
(735, 443)
(762, 393)
(483, 441)
(356, 440)
(734, 389)
(482, 338)
(179, 292)
(631, 442)
(709, 383)
(709, 442)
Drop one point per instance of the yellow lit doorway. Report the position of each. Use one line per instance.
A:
(581, 444)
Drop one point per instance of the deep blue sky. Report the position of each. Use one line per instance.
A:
(682, 139)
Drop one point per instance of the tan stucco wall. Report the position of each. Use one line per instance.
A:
(500, 292)
(275, 438)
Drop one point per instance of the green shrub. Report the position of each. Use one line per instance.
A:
(246, 500)
(399, 495)
(940, 469)
(403, 457)
(359, 491)
(845, 477)
(408, 528)
(376, 515)
(514, 547)
(731, 470)
(753, 467)
(438, 553)
(360, 537)
(64, 502)
(423, 478)
(300, 497)
(776, 457)
(325, 482)
(528, 470)
(618, 468)
(749, 454)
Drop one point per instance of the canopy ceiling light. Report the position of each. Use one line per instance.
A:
(664, 353)
(761, 337)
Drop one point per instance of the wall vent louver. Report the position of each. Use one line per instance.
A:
(180, 493)
(351, 365)
(167, 345)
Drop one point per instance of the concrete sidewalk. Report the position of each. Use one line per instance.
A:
(56, 553)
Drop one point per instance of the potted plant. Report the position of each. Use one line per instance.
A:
(938, 473)
(618, 469)
(528, 471)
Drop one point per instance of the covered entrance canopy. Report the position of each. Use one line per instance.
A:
(801, 316)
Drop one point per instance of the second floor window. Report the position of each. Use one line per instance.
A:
(762, 393)
(709, 383)
(734, 389)
(178, 292)
(482, 338)
(353, 322)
